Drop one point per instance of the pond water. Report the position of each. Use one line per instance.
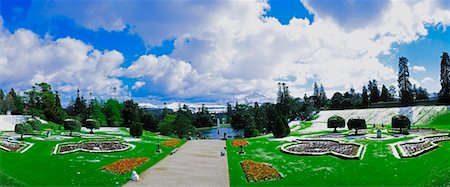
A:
(217, 133)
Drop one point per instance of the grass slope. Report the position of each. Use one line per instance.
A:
(441, 121)
(378, 167)
(38, 167)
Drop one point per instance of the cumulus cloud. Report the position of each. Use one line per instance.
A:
(427, 80)
(137, 85)
(66, 63)
(419, 68)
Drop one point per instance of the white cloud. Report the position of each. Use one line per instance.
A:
(137, 85)
(66, 63)
(419, 68)
(427, 80)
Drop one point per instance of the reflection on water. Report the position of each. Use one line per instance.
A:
(218, 133)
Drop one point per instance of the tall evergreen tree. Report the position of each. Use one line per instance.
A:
(365, 98)
(322, 94)
(284, 100)
(374, 92)
(14, 102)
(182, 126)
(260, 118)
(384, 94)
(392, 92)
(2, 102)
(404, 85)
(444, 94)
(113, 112)
(130, 113)
(422, 94)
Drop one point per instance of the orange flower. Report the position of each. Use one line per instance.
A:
(171, 143)
(256, 171)
(238, 143)
(126, 165)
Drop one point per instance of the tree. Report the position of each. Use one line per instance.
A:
(356, 123)
(23, 128)
(79, 108)
(72, 125)
(279, 129)
(392, 92)
(243, 119)
(422, 93)
(14, 102)
(136, 129)
(92, 124)
(322, 94)
(261, 119)
(335, 122)
(401, 121)
(182, 126)
(374, 92)
(35, 124)
(284, 100)
(202, 118)
(384, 94)
(336, 100)
(404, 85)
(444, 94)
(95, 112)
(149, 121)
(130, 113)
(2, 105)
(365, 98)
(112, 110)
(166, 124)
(346, 103)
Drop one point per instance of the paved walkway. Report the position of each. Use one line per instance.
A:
(197, 163)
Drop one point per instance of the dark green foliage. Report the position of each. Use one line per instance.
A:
(92, 124)
(374, 92)
(336, 101)
(35, 124)
(421, 93)
(149, 121)
(23, 128)
(202, 118)
(112, 110)
(14, 103)
(384, 94)
(444, 93)
(166, 124)
(279, 129)
(406, 96)
(72, 125)
(182, 126)
(95, 112)
(136, 129)
(335, 122)
(356, 123)
(285, 101)
(365, 98)
(2, 102)
(261, 119)
(44, 103)
(130, 113)
(401, 121)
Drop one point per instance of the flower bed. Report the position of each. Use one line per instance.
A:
(14, 146)
(126, 165)
(257, 171)
(317, 147)
(238, 143)
(171, 143)
(416, 148)
(91, 146)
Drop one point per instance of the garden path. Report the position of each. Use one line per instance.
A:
(197, 163)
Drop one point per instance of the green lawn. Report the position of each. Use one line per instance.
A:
(378, 167)
(441, 121)
(38, 167)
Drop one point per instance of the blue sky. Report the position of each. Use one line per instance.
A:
(218, 51)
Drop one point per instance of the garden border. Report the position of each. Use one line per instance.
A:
(403, 154)
(55, 150)
(27, 146)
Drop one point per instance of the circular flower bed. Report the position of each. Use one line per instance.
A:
(91, 146)
(257, 171)
(171, 143)
(238, 143)
(318, 147)
(126, 165)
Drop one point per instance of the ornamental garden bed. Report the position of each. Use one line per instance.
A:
(258, 171)
(124, 166)
(171, 143)
(317, 147)
(14, 146)
(416, 148)
(92, 147)
(238, 143)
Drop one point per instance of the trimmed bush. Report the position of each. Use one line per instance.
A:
(402, 122)
(336, 122)
(72, 125)
(23, 128)
(356, 123)
(92, 124)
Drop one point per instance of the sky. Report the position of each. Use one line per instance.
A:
(155, 51)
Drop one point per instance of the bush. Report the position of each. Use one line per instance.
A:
(335, 122)
(23, 128)
(401, 121)
(356, 123)
(92, 124)
(72, 125)
(136, 129)
(36, 124)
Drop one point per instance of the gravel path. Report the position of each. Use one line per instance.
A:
(197, 163)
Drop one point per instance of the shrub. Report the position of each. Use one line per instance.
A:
(335, 122)
(72, 125)
(92, 124)
(35, 124)
(401, 121)
(23, 128)
(356, 123)
(279, 129)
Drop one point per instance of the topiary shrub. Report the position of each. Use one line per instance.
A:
(356, 123)
(35, 124)
(23, 128)
(401, 122)
(72, 125)
(336, 122)
(92, 124)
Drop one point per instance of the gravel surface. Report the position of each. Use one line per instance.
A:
(197, 163)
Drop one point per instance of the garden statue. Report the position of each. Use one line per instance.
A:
(158, 148)
(224, 135)
(378, 133)
(223, 152)
(48, 134)
(134, 176)
(242, 150)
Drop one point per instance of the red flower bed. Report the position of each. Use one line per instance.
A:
(256, 171)
(238, 143)
(126, 165)
(171, 143)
